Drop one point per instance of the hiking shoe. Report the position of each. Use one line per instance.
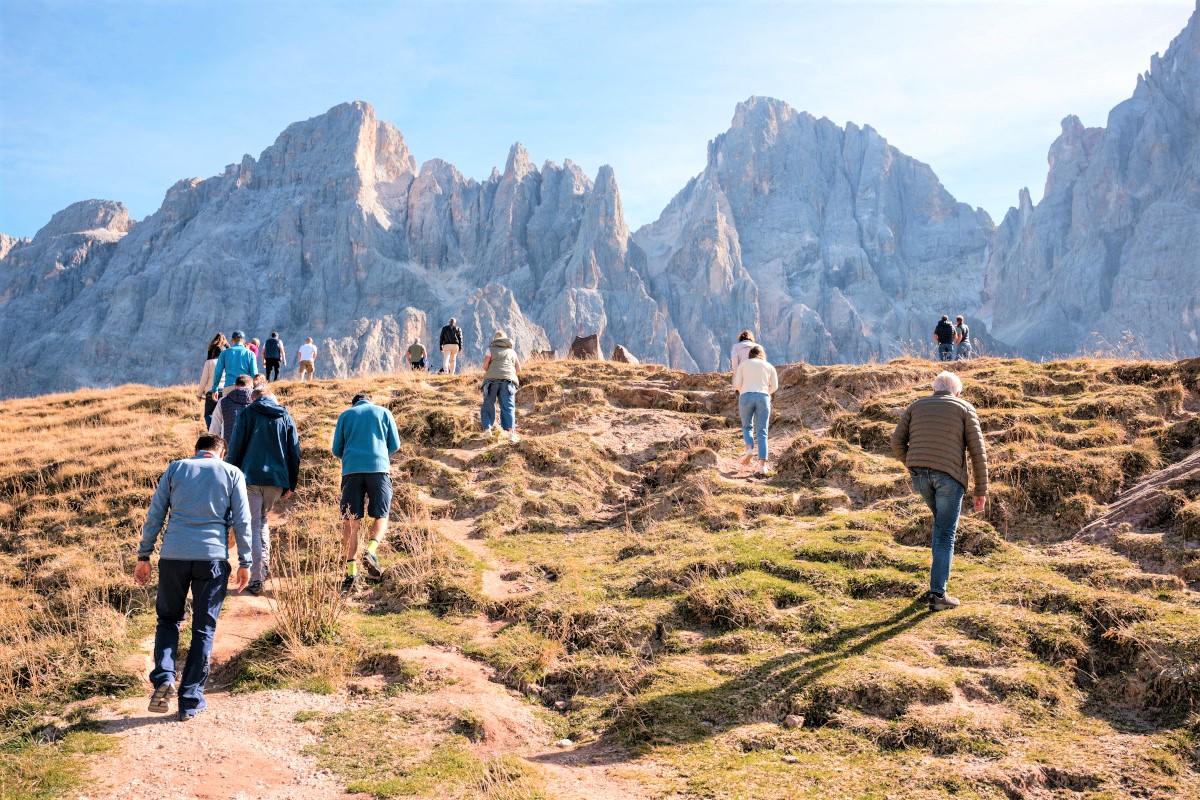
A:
(160, 701)
(747, 456)
(942, 602)
(512, 436)
(763, 468)
(371, 561)
(255, 588)
(348, 584)
(191, 713)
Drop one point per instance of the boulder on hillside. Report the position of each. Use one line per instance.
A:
(623, 356)
(586, 347)
(548, 355)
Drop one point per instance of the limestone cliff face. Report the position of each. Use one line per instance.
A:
(1114, 246)
(831, 244)
(333, 232)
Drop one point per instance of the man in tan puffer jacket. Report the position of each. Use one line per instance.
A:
(933, 438)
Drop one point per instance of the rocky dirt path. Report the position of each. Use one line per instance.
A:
(244, 747)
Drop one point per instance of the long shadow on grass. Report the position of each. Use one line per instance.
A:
(763, 693)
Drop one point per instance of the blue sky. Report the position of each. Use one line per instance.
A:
(120, 99)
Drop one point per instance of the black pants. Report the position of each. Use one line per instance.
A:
(272, 364)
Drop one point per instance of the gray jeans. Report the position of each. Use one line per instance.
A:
(262, 499)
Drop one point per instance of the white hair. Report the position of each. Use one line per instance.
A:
(947, 382)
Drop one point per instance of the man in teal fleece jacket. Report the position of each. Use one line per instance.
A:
(364, 438)
(204, 496)
(234, 361)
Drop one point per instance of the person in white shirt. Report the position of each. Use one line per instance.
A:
(741, 350)
(307, 356)
(755, 381)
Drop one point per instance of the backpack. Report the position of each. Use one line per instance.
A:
(271, 348)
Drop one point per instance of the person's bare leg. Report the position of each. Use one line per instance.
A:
(349, 539)
(378, 529)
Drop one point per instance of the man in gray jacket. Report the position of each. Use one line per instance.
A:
(932, 439)
(204, 496)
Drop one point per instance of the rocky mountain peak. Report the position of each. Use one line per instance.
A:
(102, 216)
(519, 164)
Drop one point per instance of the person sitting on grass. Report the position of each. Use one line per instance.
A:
(203, 495)
(417, 354)
(364, 439)
(932, 439)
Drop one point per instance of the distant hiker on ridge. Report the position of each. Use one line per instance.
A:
(755, 381)
(962, 339)
(203, 495)
(206, 378)
(450, 342)
(265, 445)
(307, 356)
(364, 438)
(501, 379)
(232, 404)
(274, 356)
(943, 334)
(234, 361)
(741, 350)
(932, 438)
(416, 355)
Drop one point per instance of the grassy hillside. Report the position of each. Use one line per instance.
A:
(673, 607)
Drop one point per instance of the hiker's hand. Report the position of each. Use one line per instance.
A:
(286, 494)
(141, 573)
(980, 504)
(242, 579)
(216, 396)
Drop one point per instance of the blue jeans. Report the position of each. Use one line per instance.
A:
(208, 581)
(755, 408)
(964, 351)
(505, 393)
(943, 495)
(945, 352)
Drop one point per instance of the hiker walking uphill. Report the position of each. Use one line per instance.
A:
(755, 381)
(274, 356)
(932, 439)
(203, 495)
(741, 351)
(265, 446)
(962, 339)
(501, 379)
(450, 342)
(234, 361)
(364, 438)
(943, 334)
(416, 355)
(206, 379)
(232, 404)
(307, 356)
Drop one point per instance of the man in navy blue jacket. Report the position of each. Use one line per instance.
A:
(266, 447)
(204, 496)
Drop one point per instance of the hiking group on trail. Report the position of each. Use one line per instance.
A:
(249, 460)
(953, 341)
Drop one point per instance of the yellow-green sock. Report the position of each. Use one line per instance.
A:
(372, 546)
(352, 568)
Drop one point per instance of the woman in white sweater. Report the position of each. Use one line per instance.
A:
(206, 377)
(756, 381)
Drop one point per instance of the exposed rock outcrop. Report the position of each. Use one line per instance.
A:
(586, 347)
(1114, 246)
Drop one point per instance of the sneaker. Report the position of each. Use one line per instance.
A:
(487, 433)
(512, 436)
(763, 468)
(255, 588)
(348, 584)
(191, 713)
(371, 561)
(747, 456)
(160, 701)
(943, 602)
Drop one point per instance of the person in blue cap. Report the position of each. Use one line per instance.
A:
(235, 360)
